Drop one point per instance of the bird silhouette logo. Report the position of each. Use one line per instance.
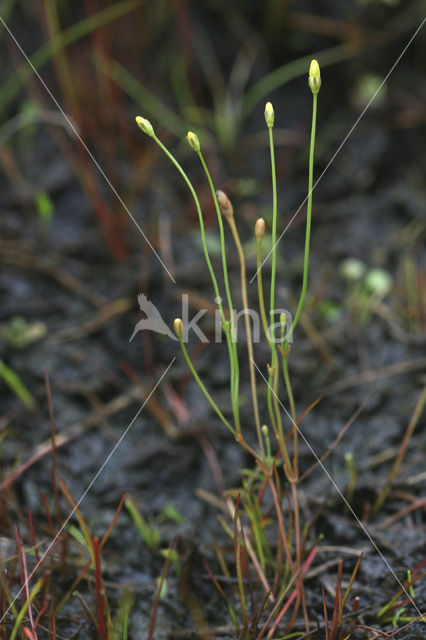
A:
(153, 320)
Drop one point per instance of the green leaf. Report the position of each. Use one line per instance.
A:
(15, 383)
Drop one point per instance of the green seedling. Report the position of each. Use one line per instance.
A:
(387, 612)
(44, 207)
(172, 555)
(15, 383)
(410, 588)
(353, 476)
(171, 513)
(25, 607)
(397, 616)
(148, 532)
(121, 618)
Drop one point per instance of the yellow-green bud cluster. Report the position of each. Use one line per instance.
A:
(193, 140)
(269, 115)
(178, 327)
(145, 126)
(314, 79)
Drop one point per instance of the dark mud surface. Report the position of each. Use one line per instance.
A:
(356, 350)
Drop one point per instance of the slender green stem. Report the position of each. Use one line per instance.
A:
(287, 464)
(274, 363)
(208, 261)
(308, 222)
(242, 260)
(201, 221)
(274, 227)
(287, 382)
(27, 604)
(270, 405)
(234, 357)
(305, 279)
(222, 238)
(265, 327)
(203, 388)
(289, 388)
(260, 292)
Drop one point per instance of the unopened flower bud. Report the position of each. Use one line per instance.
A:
(225, 204)
(259, 229)
(269, 114)
(271, 370)
(314, 79)
(178, 327)
(265, 430)
(145, 125)
(193, 140)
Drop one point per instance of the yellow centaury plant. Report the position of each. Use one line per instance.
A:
(224, 208)
(289, 570)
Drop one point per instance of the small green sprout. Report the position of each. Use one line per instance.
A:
(350, 463)
(15, 383)
(410, 586)
(148, 532)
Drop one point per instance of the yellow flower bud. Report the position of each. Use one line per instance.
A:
(193, 140)
(259, 229)
(269, 115)
(145, 125)
(225, 204)
(178, 327)
(314, 79)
